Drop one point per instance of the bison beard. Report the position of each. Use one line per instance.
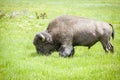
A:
(65, 32)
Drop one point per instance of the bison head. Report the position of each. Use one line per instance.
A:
(43, 43)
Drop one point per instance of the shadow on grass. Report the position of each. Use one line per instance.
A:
(55, 55)
(35, 54)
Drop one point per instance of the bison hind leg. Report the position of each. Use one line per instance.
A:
(107, 46)
(111, 47)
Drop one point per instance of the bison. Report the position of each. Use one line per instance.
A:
(65, 32)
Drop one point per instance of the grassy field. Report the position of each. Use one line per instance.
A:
(19, 60)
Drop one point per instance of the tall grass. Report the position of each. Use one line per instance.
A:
(19, 60)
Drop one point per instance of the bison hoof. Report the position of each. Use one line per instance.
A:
(66, 54)
(63, 55)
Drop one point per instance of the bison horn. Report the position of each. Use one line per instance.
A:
(43, 37)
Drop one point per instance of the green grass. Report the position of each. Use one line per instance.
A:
(19, 60)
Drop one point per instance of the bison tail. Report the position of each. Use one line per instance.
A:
(112, 31)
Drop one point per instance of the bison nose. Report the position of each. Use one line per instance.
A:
(39, 51)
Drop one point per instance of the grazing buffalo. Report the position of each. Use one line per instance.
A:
(65, 32)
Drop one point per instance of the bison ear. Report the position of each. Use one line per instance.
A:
(49, 39)
(44, 36)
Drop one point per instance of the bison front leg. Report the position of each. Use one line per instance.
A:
(66, 51)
